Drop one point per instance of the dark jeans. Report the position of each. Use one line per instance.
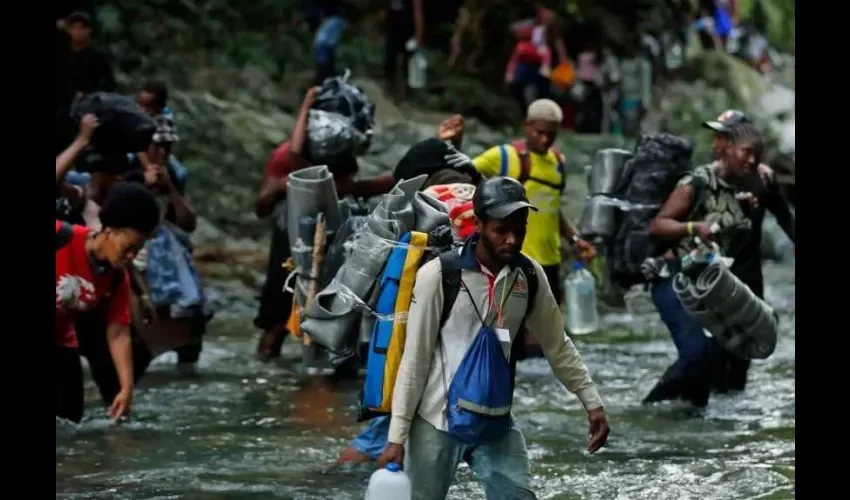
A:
(68, 384)
(689, 378)
(275, 304)
(91, 333)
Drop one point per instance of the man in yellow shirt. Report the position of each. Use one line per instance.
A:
(541, 169)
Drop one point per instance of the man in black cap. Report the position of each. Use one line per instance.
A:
(490, 275)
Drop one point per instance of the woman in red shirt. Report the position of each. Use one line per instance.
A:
(89, 276)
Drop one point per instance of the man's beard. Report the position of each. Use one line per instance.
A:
(490, 248)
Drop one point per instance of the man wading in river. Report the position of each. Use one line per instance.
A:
(440, 158)
(540, 168)
(290, 156)
(732, 193)
(440, 410)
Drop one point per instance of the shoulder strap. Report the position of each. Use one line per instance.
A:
(524, 160)
(562, 168)
(450, 271)
(525, 166)
(533, 281)
(63, 235)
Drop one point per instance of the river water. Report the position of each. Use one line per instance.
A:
(246, 430)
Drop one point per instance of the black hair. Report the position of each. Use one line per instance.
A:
(447, 176)
(130, 205)
(744, 132)
(79, 16)
(159, 91)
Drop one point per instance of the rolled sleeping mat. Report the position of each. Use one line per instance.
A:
(752, 331)
(330, 319)
(430, 213)
(397, 204)
(309, 192)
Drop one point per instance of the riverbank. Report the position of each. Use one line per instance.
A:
(243, 429)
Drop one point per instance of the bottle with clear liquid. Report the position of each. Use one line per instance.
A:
(580, 288)
(390, 483)
(417, 66)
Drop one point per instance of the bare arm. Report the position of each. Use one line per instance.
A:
(778, 205)
(568, 231)
(547, 325)
(120, 348)
(145, 160)
(299, 133)
(374, 186)
(184, 214)
(66, 158)
(667, 224)
(272, 190)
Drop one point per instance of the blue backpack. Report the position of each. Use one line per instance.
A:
(479, 398)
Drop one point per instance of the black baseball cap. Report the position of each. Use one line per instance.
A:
(499, 197)
(728, 118)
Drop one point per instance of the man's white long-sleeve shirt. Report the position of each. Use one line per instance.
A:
(432, 356)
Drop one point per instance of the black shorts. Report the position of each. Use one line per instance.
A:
(68, 383)
(91, 333)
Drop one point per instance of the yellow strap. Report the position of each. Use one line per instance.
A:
(415, 252)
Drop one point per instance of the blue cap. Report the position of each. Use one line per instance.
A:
(577, 265)
(393, 467)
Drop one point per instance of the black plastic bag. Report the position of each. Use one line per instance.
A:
(331, 135)
(124, 126)
(337, 95)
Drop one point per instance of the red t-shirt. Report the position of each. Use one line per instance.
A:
(79, 288)
(279, 163)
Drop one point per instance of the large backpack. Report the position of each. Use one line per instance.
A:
(521, 148)
(386, 344)
(648, 178)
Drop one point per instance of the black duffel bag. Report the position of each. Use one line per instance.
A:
(124, 126)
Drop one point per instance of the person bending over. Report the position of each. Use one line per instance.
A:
(90, 276)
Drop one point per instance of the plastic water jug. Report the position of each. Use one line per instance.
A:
(580, 287)
(417, 66)
(390, 483)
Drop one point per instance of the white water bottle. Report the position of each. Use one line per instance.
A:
(580, 287)
(417, 66)
(390, 483)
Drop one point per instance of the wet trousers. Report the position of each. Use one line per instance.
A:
(68, 387)
(689, 377)
(433, 456)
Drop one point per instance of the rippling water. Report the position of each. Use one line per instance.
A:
(244, 430)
